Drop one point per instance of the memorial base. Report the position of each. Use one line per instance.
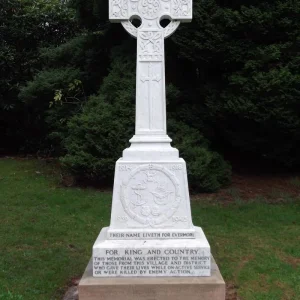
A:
(156, 288)
(152, 258)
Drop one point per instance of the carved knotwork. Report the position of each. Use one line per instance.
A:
(119, 8)
(130, 28)
(181, 8)
(149, 9)
(170, 29)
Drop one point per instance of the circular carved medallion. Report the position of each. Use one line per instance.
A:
(149, 9)
(150, 195)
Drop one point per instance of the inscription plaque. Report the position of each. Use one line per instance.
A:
(147, 262)
(156, 257)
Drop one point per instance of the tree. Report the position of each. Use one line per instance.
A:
(25, 27)
(97, 136)
(240, 61)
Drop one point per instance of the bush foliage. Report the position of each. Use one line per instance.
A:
(207, 170)
(26, 26)
(244, 57)
(97, 136)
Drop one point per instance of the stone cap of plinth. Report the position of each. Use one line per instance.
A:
(154, 288)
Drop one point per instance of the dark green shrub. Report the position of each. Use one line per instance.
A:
(98, 135)
(207, 170)
(87, 64)
(241, 73)
(26, 26)
(37, 95)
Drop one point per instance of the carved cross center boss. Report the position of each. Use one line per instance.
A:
(150, 81)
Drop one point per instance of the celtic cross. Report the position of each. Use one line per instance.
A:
(150, 80)
(151, 213)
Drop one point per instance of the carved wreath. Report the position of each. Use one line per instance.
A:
(153, 222)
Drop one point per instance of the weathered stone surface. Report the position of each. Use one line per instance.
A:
(159, 288)
(72, 293)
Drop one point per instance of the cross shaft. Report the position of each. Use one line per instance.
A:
(150, 79)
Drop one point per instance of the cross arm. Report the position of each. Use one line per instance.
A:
(119, 10)
(123, 10)
(181, 10)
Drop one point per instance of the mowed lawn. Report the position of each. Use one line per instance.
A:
(47, 232)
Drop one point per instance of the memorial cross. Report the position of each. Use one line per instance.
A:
(150, 77)
(151, 218)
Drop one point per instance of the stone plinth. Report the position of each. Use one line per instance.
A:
(151, 198)
(152, 257)
(155, 288)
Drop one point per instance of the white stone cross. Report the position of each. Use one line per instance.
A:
(151, 218)
(150, 80)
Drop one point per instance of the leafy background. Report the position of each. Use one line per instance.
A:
(68, 91)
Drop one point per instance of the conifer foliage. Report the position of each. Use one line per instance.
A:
(244, 68)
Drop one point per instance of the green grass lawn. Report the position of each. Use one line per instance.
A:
(47, 232)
